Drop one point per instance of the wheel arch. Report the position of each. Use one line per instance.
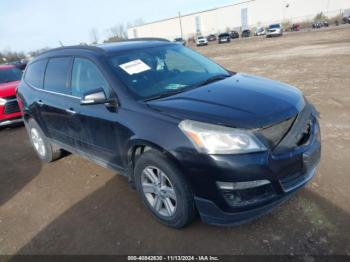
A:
(137, 147)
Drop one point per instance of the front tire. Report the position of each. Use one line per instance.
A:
(163, 190)
(45, 150)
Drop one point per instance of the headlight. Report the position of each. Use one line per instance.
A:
(215, 139)
(2, 101)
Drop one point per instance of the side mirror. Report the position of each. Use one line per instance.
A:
(95, 97)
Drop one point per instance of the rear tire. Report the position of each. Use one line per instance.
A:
(163, 190)
(45, 150)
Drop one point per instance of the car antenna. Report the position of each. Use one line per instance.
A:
(60, 43)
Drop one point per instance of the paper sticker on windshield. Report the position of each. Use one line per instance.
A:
(135, 67)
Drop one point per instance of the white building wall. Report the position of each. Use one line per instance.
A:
(260, 12)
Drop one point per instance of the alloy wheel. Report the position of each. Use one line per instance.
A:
(38, 142)
(159, 191)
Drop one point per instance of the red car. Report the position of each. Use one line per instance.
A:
(9, 109)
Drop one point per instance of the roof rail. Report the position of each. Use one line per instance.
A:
(85, 47)
(147, 39)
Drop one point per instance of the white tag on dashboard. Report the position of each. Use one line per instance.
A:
(135, 67)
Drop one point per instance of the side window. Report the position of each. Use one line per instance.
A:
(87, 77)
(35, 73)
(57, 73)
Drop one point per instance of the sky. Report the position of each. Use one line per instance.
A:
(27, 25)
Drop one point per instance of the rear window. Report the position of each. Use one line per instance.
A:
(57, 75)
(10, 75)
(35, 73)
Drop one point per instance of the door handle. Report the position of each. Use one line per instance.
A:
(40, 102)
(71, 111)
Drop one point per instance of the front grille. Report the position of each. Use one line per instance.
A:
(11, 107)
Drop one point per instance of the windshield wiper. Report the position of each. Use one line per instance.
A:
(212, 79)
(166, 94)
(202, 83)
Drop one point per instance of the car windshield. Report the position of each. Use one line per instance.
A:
(162, 71)
(274, 26)
(201, 37)
(10, 75)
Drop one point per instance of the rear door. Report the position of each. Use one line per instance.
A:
(57, 111)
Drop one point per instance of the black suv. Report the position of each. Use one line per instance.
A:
(191, 136)
(224, 38)
(246, 33)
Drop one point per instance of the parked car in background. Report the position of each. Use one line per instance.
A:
(234, 34)
(201, 41)
(295, 27)
(274, 30)
(260, 31)
(190, 135)
(211, 37)
(19, 64)
(346, 19)
(9, 109)
(180, 40)
(224, 38)
(319, 24)
(246, 33)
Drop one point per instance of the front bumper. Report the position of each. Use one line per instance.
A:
(224, 40)
(286, 172)
(210, 213)
(274, 33)
(11, 122)
(9, 115)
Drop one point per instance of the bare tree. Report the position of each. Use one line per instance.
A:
(11, 56)
(117, 33)
(38, 52)
(94, 36)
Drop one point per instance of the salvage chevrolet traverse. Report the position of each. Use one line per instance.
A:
(190, 136)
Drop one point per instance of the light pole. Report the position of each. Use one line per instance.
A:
(180, 25)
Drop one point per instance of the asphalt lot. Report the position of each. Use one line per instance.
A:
(73, 206)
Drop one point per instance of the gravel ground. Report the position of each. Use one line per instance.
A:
(73, 206)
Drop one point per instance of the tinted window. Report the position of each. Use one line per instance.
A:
(86, 77)
(35, 73)
(10, 75)
(56, 77)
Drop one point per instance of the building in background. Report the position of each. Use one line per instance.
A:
(239, 16)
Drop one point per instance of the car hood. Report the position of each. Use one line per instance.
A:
(242, 100)
(8, 89)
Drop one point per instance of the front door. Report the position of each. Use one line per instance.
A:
(96, 131)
